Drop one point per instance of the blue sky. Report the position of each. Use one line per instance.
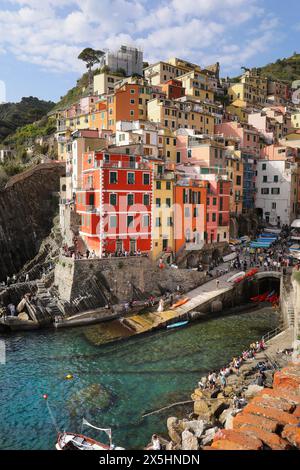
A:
(41, 39)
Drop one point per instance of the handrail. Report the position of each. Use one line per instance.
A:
(271, 334)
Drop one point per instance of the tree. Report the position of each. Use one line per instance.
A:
(91, 57)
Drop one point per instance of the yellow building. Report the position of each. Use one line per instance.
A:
(161, 72)
(238, 111)
(167, 144)
(163, 213)
(180, 114)
(295, 120)
(235, 172)
(104, 83)
(197, 86)
(252, 89)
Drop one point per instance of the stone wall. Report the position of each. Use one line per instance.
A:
(27, 207)
(118, 279)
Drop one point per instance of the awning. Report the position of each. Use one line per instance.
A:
(296, 223)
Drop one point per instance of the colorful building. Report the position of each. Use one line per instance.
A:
(115, 203)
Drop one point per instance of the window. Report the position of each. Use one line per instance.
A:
(275, 178)
(168, 202)
(273, 205)
(214, 217)
(177, 157)
(265, 179)
(113, 199)
(264, 166)
(146, 178)
(275, 190)
(238, 180)
(146, 221)
(130, 178)
(186, 212)
(168, 185)
(146, 199)
(130, 199)
(214, 201)
(157, 222)
(130, 221)
(169, 222)
(113, 177)
(132, 101)
(264, 190)
(196, 212)
(132, 91)
(157, 202)
(131, 112)
(113, 221)
(158, 184)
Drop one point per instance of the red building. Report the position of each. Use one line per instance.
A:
(173, 89)
(115, 203)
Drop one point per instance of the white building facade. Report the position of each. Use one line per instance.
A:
(276, 184)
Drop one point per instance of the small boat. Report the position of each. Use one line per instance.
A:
(180, 302)
(236, 276)
(72, 441)
(177, 325)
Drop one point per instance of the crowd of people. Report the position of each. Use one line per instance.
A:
(218, 379)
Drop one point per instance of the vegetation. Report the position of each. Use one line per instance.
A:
(286, 69)
(15, 115)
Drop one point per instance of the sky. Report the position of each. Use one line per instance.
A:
(40, 39)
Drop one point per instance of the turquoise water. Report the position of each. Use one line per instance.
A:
(139, 375)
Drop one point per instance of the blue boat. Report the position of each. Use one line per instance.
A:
(178, 324)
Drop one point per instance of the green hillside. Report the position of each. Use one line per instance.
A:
(27, 111)
(286, 69)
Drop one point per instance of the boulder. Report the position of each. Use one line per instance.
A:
(218, 406)
(208, 436)
(173, 430)
(252, 390)
(23, 316)
(197, 427)
(202, 409)
(93, 398)
(189, 441)
(226, 418)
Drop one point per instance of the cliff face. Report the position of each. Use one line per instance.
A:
(27, 207)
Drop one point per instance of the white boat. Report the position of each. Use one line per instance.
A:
(72, 441)
(236, 276)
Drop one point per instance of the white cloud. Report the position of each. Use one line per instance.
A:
(53, 34)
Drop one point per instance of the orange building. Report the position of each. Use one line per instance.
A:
(98, 116)
(123, 105)
(190, 214)
(173, 89)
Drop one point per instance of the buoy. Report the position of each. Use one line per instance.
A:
(45, 396)
(69, 377)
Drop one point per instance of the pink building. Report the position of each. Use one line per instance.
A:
(249, 136)
(205, 152)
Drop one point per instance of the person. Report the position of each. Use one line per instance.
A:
(160, 306)
(223, 380)
(87, 254)
(203, 383)
(156, 445)
(217, 283)
(12, 309)
(27, 278)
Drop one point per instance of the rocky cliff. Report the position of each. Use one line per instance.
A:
(28, 205)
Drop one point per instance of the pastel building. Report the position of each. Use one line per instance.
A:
(115, 203)
(248, 136)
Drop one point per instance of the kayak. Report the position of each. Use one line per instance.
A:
(177, 325)
(180, 302)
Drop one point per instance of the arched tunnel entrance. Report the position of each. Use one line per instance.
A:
(259, 286)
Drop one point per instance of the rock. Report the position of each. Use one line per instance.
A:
(292, 434)
(202, 409)
(246, 441)
(23, 316)
(197, 427)
(189, 441)
(258, 421)
(252, 390)
(173, 430)
(94, 397)
(226, 418)
(287, 377)
(218, 407)
(21, 305)
(208, 436)
(281, 417)
(273, 441)
(269, 378)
